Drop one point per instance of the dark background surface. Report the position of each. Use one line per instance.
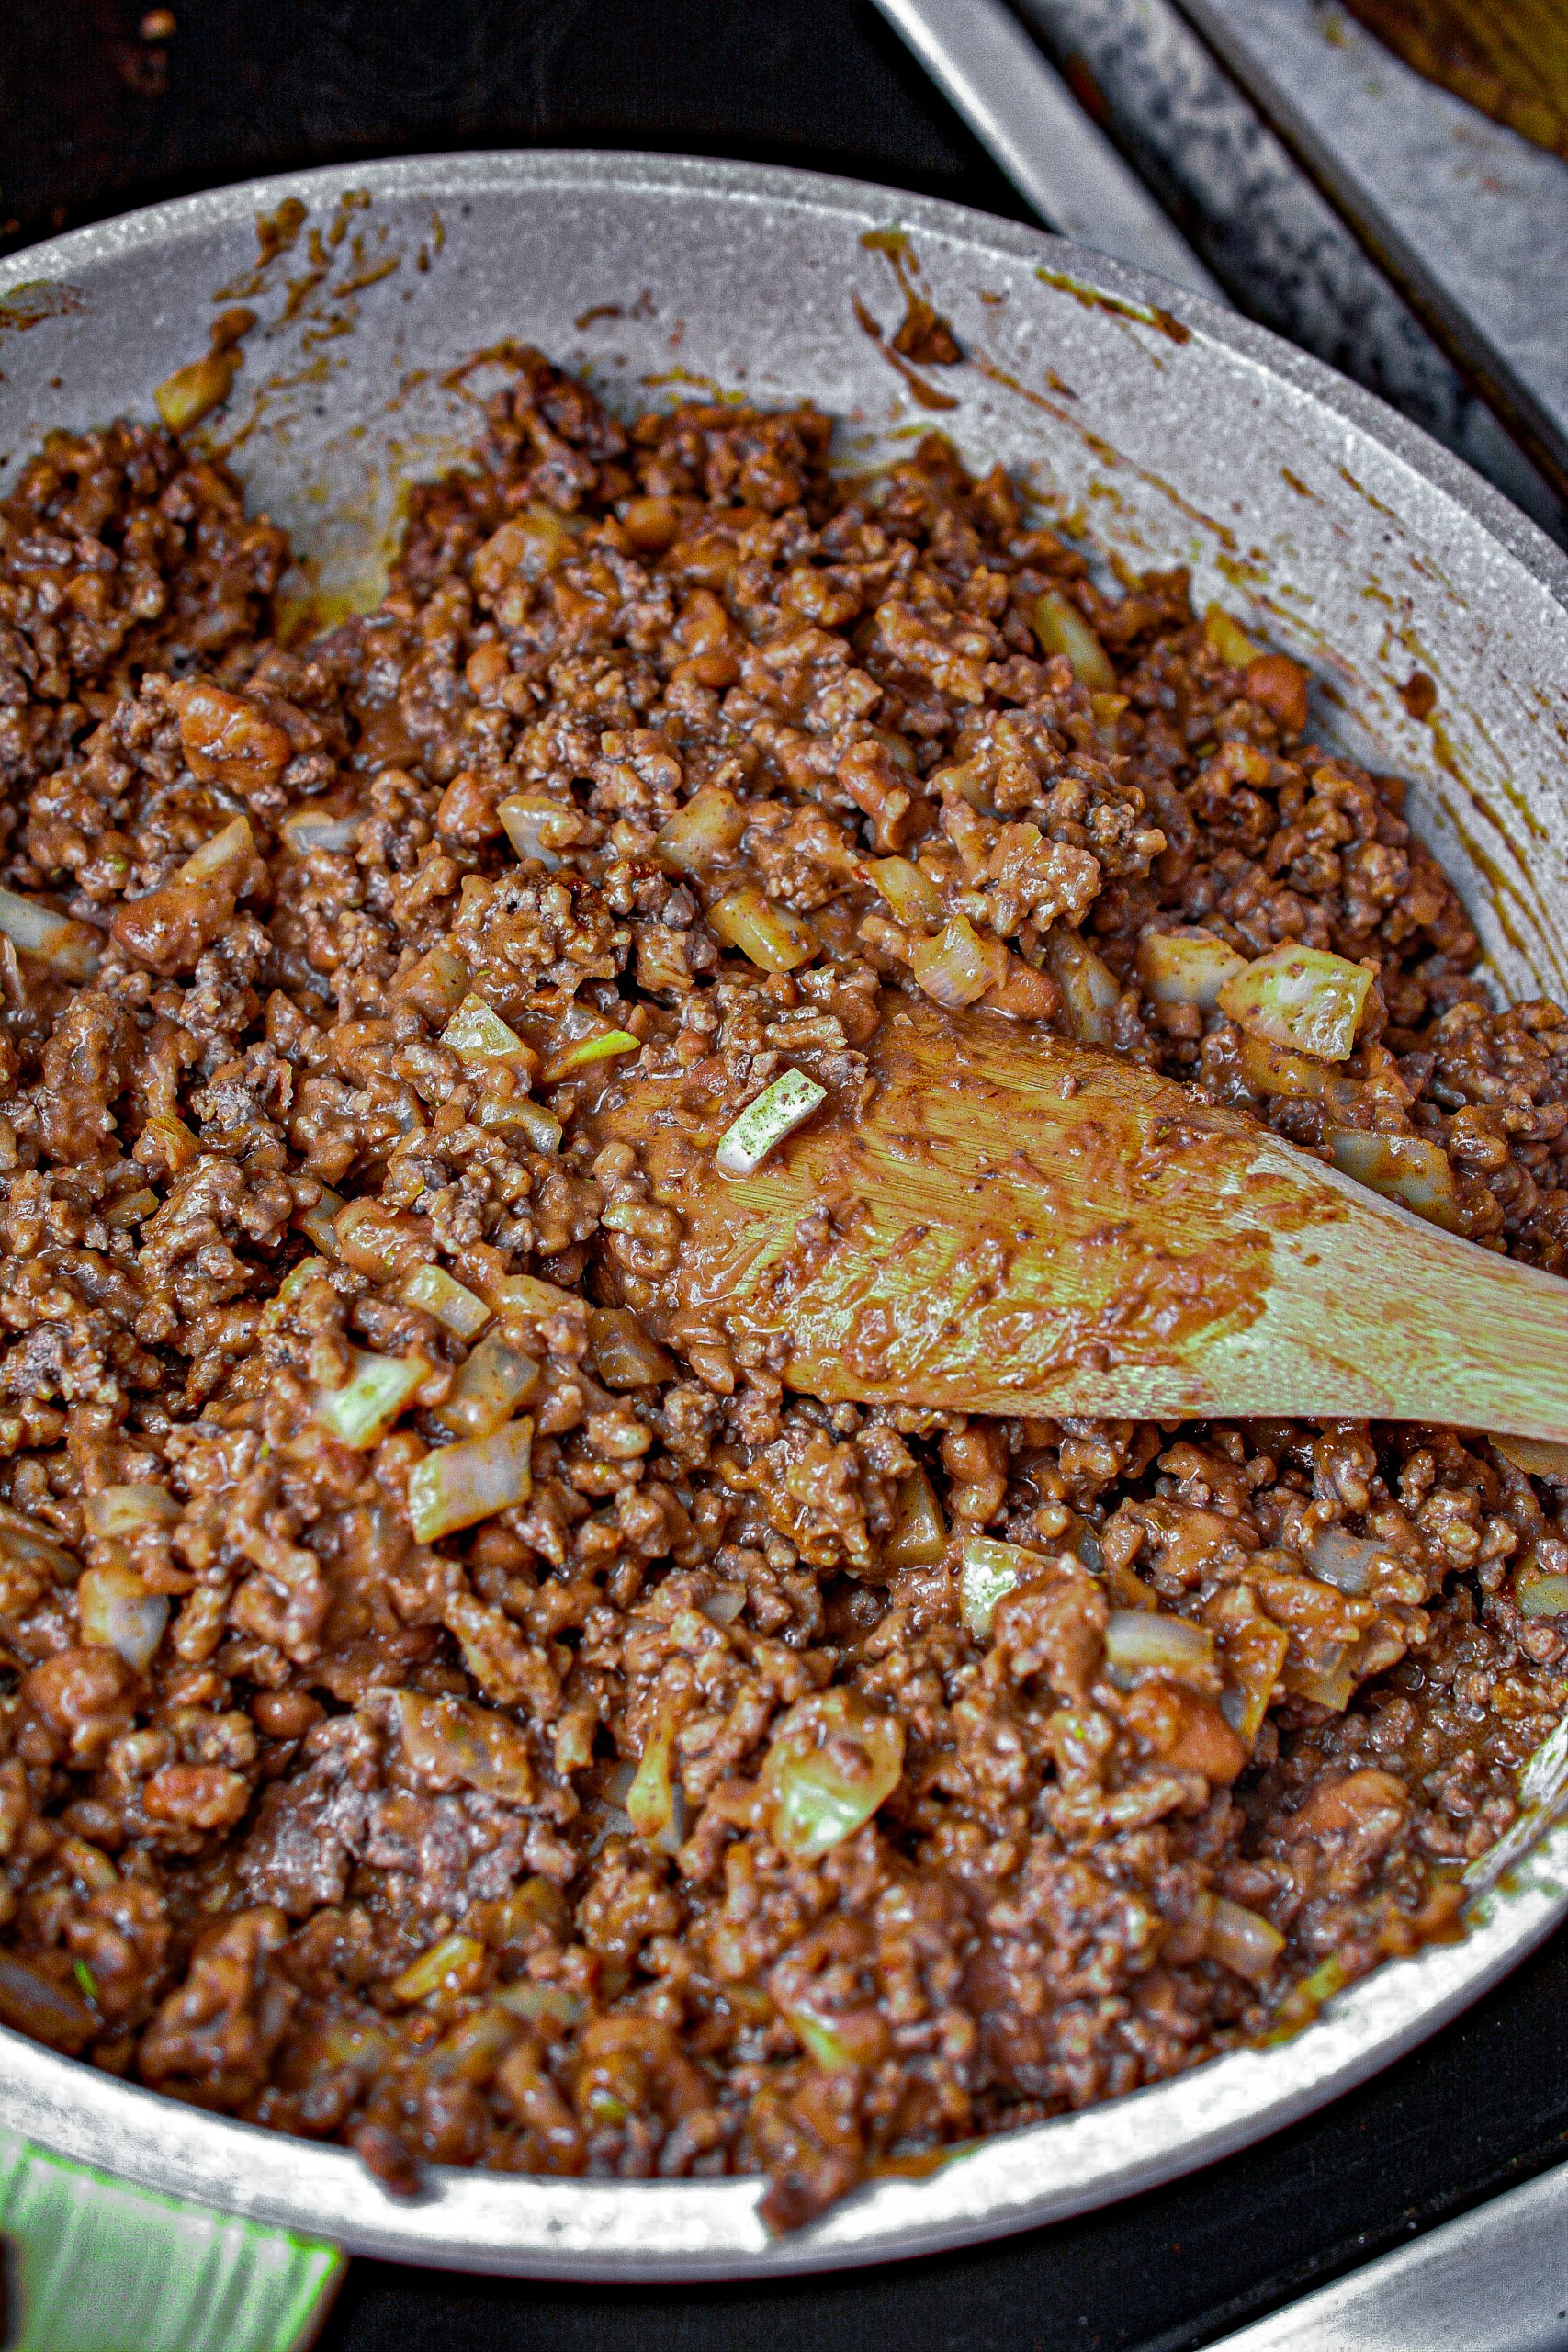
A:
(94, 118)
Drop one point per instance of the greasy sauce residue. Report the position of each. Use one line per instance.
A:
(37, 299)
(926, 394)
(1148, 314)
(922, 334)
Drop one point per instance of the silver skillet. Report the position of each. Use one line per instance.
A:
(1174, 431)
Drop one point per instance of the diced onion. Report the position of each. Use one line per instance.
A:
(707, 830)
(539, 828)
(174, 1139)
(294, 1281)
(132, 1208)
(459, 1485)
(774, 938)
(124, 1511)
(831, 1762)
(455, 1964)
(1061, 628)
(1228, 639)
(990, 1570)
(776, 1112)
(542, 1127)
(1146, 1640)
(477, 1032)
(305, 830)
(1186, 967)
(495, 1380)
(183, 398)
(1538, 1592)
(621, 1353)
(437, 983)
(516, 1294)
(653, 1801)
(1538, 1457)
(958, 967)
(1090, 990)
(22, 1540)
(455, 1306)
(1330, 1684)
(585, 1050)
(232, 846)
(913, 896)
(361, 1412)
(450, 1740)
(918, 1535)
(320, 1224)
(69, 948)
(1342, 1559)
(116, 1612)
(1411, 1169)
(1299, 997)
(1243, 1939)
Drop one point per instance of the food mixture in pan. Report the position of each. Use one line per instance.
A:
(438, 1717)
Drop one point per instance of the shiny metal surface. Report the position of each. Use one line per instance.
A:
(1187, 435)
(1021, 110)
(1469, 218)
(1495, 2281)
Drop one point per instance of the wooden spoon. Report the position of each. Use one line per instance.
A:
(1015, 1225)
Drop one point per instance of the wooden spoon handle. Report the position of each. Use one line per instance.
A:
(1014, 1225)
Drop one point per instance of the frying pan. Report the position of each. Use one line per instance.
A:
(1174, 431)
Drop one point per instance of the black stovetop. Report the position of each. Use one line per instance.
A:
(94, 119)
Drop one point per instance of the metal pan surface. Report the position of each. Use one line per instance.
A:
(1180, 435)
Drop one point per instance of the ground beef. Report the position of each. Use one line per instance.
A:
(674, 1819)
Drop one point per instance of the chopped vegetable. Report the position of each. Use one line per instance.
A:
(69, 948)
(132, 1208)
(495, 1380)
(1299, 1078)
(477, 1032)
(116, 1612)
(584, 1050)
(294, 1281)
(453, 1741)
(989, 1572)
(320, 1224)
(1186, 967)
(1090, 990)
(457, 1308)
(1411, 1169)
(455, 1964)
(553, 2006)
(1253, 1650)
(234, 845)
(1539, 1592)
(1243, 1939)
(539, 828)
(707, 830)
(183, 398)
(526, 1295)
(436, 983)
(1061, 628)
(361, 1412)
(1146, 1640)
(1228, 639)
(86, 1978)
(773, 938)
(542, 1127)
(30, 1545)
(459, 1485)
(776, 1112)
(1301, 997)
(305, 830)
(1330, 1684)
(376, 1240)
(958, 967)
(918, 1535)
(654, 1799)
(913, 896)
(835, 2043)
(175, 1140)
(123, 1510)
(1538, 1457)
(621, 1353)
(1342, 1559)
(832, 1761)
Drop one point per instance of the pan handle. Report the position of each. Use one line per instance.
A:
(95, 2266)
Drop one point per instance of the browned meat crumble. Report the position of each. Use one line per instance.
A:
(478, 1850)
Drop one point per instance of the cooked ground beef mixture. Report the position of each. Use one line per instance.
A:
(437, 1714)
